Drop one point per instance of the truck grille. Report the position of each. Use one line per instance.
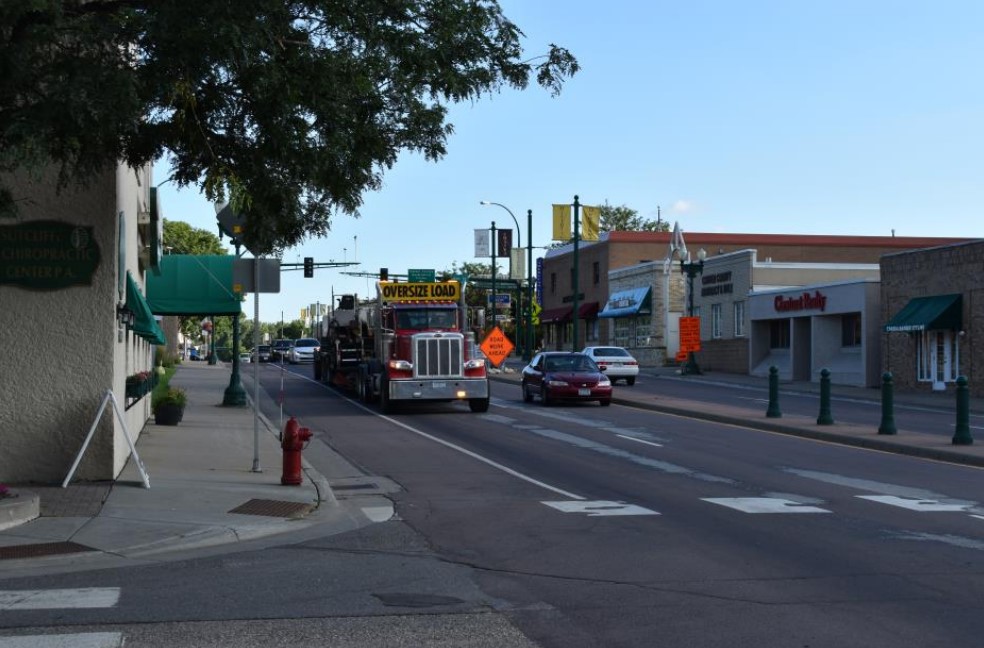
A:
(437, 356)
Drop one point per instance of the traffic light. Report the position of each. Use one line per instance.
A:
(384, 274)
(308, 267)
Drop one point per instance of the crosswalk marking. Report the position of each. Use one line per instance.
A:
(81, 640)
(600, 508)
(916, 504)
(764, 505)
(87, 597)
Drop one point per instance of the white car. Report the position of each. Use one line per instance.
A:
(303, 350)
(616, 362)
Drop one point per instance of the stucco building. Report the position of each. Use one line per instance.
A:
(74, 322)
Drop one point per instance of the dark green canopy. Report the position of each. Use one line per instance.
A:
(193, 285)
(928, 314)
(144, 323)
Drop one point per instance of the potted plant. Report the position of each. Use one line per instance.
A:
(169, 406)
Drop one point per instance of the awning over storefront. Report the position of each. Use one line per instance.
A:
(587, 310)
(556, 315)
(193, 285)
(626, 303)
(144, 323)
(928, 313)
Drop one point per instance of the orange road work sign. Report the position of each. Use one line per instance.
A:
(496, 346)
(690, 334)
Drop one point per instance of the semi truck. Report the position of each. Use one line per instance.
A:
(409, 344)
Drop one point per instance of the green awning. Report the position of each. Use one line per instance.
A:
(193, 285)
(144, 323)
(928, 314)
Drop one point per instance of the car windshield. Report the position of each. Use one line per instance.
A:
(306, 342)
(611, 352)
(420, 319)
(569, 363)
(281, 344)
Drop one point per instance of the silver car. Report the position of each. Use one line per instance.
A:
(303, 350)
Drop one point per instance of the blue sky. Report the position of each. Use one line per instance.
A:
(858, 117)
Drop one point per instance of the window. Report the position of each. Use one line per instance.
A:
(596, 273)
(591, 329)
(740, 319)
(715, 321)
(851, 330)
(643, 330)
(553, 283)
(779, 334)
(623, 331)
(937, 356)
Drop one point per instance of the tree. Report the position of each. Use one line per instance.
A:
(182, 238)
(626, 219)
(292, 108)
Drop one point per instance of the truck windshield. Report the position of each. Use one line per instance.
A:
(421, 319)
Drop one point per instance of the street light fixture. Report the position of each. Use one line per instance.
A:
(527, 345)
(692, 269)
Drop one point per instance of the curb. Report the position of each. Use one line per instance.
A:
(19, 507)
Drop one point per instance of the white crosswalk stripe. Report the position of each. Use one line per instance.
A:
(80, 640)
(87, 597)
(764, 505)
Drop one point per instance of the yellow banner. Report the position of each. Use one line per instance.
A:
(590, 220)
(440, 291)
(561, 222)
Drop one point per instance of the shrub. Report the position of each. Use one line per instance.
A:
(169, 396)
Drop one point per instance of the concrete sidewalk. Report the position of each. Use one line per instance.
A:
(203, 492)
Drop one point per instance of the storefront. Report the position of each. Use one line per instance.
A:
(803, 330)
(933, 309)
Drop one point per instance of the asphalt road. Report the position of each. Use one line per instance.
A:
(580, 526)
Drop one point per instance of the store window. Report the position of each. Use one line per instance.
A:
(851, 330)
(591, 328)
(779, 334)
(715, 321)
(596, 273)
(643, 331)
(624, 330)
(553, 283)
(740, 319)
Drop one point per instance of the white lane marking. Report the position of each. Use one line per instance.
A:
(755, 400)
(600, 508)
(86, 597)
(764, 505)
(922, 505)
(81, 640)
(979, 517)
(378, 513)
(658, 445)
(466, 452)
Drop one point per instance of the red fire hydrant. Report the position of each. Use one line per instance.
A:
(294, 440)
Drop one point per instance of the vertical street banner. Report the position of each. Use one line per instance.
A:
(561, 222)
(503, 242)
(590, 221)
(483, 249)
(539, 280)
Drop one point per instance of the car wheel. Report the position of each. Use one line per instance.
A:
(527, 396)
(605, 402)
(544, 398)
(385, 404)
(479, 404)
(629, 381)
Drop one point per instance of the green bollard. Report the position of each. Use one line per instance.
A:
(773, 410)
(961, 434)
(825, 418)
(888, 406)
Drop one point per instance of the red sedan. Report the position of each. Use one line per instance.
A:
(562, 375)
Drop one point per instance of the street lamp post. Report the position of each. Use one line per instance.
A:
(692, 269)
(519, 244)
(235, 395)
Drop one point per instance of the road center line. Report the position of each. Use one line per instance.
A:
(658, 445)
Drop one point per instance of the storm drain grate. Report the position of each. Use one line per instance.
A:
(42, 549)
(343, 487)
(273, 508)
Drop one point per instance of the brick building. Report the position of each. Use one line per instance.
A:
(620, 250)
(932, 304)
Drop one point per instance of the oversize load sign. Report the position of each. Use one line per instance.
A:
(420, 292)
(47, 255)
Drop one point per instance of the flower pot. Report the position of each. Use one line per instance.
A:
(168, 414)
